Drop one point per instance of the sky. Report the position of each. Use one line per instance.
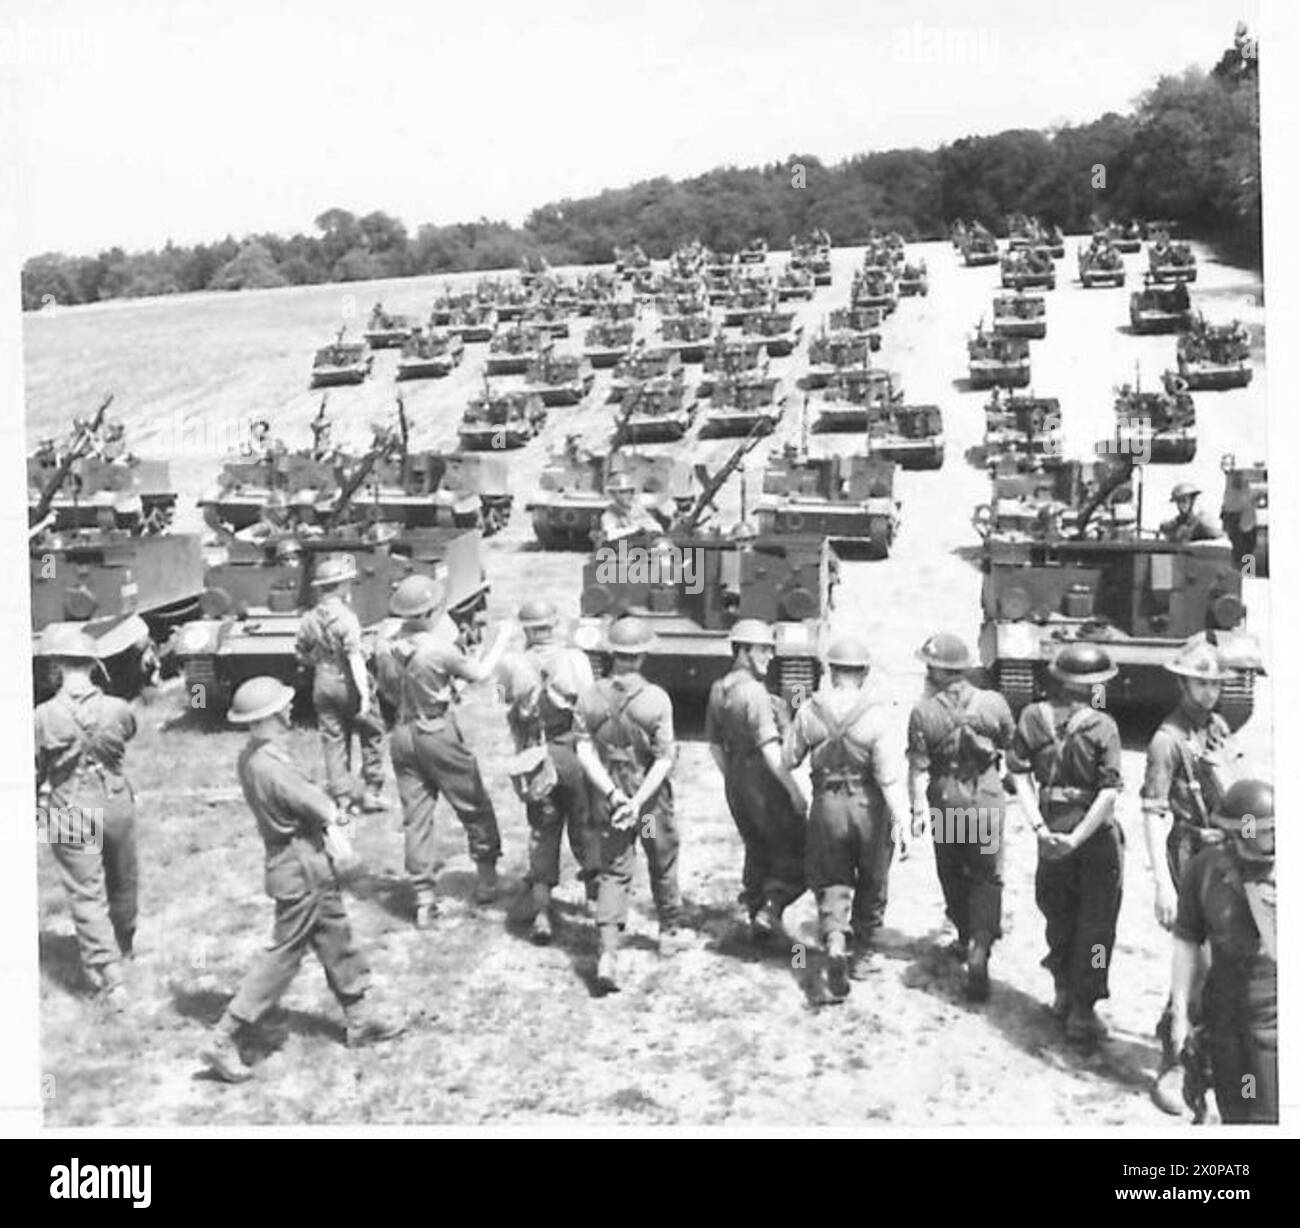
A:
(141, 122)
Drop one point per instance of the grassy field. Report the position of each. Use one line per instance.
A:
(508, 1033)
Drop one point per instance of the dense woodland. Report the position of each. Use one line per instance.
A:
(1189, 151)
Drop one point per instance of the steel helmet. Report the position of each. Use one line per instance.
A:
(752, 631)
(619, 481)
(334, 569)
(743, 531)
(1246, 812)
(1199, 660)
(1082, 665)
(1184, 490)
(538, 612)
(416, 596)
(849, 652)
(945, 651)
(630, 636)
(257, 699)
(68, 643)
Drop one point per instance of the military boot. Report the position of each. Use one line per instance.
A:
(541, 932)
(977, 971)
(1167, 1089)
(366, 1026)
(221, 1054)
(485, 889)
(607, 965)
(837, 980)
(765, 925)
(1060, 1007)
(1084, 1025)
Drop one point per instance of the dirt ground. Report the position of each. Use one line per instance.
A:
(508, 1033)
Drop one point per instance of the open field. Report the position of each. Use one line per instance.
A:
(512, 1033)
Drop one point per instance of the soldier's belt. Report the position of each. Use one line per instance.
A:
(1068, 795)
(842, 784)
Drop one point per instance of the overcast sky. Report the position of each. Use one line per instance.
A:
(188, 120)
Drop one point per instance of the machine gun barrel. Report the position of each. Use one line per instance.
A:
(1123, 472)
(383, 444)
(81, 442)
(712, 485)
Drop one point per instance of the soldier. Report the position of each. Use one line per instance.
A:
(842, 730)
(1189, 764)
(548, 679)
(300, 825)
(329, 642)
(417, 670)
(272, 521)
(626, 515)
(765, 800)
(955, 737)
(89, 809)
(1072, 751)
(626, 745)
(1191, 524)
(1229, 899)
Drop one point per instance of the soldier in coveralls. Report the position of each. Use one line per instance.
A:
(1191, 524)
(856, 782)
(329, 642)
(765, 800)
(626, 515)
(1072, 751)
(417, 669)
(955, 737)
(1190, 763)
(1229, 899)
(546, 681)
(300, 825)
(81, 737)
(626, 746)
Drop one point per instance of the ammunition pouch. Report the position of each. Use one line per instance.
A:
(1064, 807)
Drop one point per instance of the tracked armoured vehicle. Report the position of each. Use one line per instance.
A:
(795, 283)
(832, 352)
(1160, 309)
(995, 360)
(689, 336)
(1160, 426)
(1213, 358)
(656, 410)
(742, 404)
(515, 348)
(727, 357)
(848, 499)
(778, 332)
(851, 394)
(1021, 432)
(430, 355)
(863, 320)
(500, 420)
(1020, 315)
(559, 379)
(473, 323)
(343, 362)
(1140, 597)
(1022, 270)
(645, 362)
(386, 330)
(913, 279)
(874, 287)
(608, 342)
(1169, 261)
(1100, 265)
(909, 435)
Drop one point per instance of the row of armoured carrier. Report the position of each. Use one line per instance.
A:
(1064, 553)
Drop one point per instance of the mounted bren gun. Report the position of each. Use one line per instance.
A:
(82, 441)
(386, 442)
(710, 486)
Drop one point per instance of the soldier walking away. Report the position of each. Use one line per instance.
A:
(956, 736)
(329, 643)
(1229, 900)
(545, 683)
(1072, 752)
(418, 668)
(765, 801)
(1191, 524)
(89, 808)
(857, 781)
(1191, 761)
(304, 832)
(625, 743)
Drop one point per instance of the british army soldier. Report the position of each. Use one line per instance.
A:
(859, 809)
(1071, 752)
(766, 802)
(299, 823)
(546, 682)
(329, 642)
(1190, 762)
(1229, 900)
(955, 738)
(1191, 524)
(626, 746)
(89, 809)
(418, 669)
(626, 516)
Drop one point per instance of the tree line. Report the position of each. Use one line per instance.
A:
(1188, 151)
